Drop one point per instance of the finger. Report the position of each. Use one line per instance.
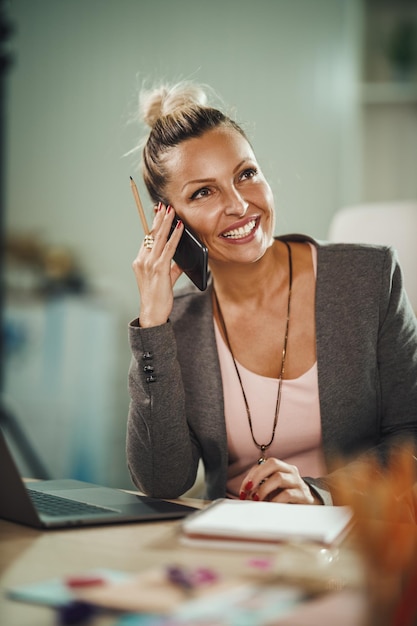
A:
(274, 483)
(257, 474)
(250, 484)
(175, 236)
(284, 486)
(176, 272)
(299, 495)
(161, 226)
(166, 242)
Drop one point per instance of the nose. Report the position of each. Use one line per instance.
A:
(235, 203)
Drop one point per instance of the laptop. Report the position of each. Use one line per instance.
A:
(68, 503)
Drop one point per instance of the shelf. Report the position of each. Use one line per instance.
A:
(389, 93)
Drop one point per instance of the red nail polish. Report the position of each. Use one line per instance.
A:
(169, 208)
(255, 497)
(242, 495)
(248, 485)
(159, 206)
(179, 224)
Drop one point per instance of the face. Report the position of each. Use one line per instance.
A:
(218, 189)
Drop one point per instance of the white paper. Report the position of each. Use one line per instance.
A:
(268, 521)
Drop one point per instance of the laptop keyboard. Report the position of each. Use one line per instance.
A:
(57, 506)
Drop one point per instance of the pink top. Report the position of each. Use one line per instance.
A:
(298, 433)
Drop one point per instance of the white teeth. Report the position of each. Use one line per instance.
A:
(243, 231)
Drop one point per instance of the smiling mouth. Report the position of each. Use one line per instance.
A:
(241, 232)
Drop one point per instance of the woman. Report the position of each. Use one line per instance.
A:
(297, 355)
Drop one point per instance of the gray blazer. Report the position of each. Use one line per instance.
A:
(366, 335)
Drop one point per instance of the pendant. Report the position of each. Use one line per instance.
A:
(262, 458)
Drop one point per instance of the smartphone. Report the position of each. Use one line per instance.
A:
(192, 256)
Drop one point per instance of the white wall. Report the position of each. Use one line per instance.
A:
(289, 67)
(389, 107)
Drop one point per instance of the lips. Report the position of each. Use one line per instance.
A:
(241, 231)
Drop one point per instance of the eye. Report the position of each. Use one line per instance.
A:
(200, 193)
(248, 173)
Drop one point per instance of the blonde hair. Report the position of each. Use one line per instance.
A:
(174, 114)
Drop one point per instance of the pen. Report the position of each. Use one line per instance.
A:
(139, 206)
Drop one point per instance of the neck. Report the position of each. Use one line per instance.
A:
(238, 282)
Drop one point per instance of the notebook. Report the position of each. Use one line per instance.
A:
(243, 523)
(73, 503)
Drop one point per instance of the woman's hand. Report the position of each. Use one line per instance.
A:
(154, 270)
(276, 481)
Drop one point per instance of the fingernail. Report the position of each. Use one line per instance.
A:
(242, 495)
(248, 485)
(169, 208)
(179, 224)
(159, 207)
(255, 497)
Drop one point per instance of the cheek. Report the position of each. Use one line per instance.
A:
(261, 195)
(269, 196)
(206, 229)
(265, 200)
(270, 205)
(200, 222)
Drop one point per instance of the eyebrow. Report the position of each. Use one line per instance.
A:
(201, 181)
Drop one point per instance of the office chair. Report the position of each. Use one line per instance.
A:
(387, 223)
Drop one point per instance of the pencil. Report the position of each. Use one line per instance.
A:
(139, 206)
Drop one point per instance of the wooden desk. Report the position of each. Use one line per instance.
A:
(28, 555)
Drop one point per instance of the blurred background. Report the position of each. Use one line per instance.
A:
(327, 91)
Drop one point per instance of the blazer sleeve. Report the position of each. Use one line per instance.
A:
(162, 454)
(389, 416)
(397, 360)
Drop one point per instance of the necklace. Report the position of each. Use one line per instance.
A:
(263, 447)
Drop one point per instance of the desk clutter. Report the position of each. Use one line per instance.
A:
(370, 579)
(170, 596)
(270, 585)
(279, 576)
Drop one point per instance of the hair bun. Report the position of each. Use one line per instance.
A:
(165, 99)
